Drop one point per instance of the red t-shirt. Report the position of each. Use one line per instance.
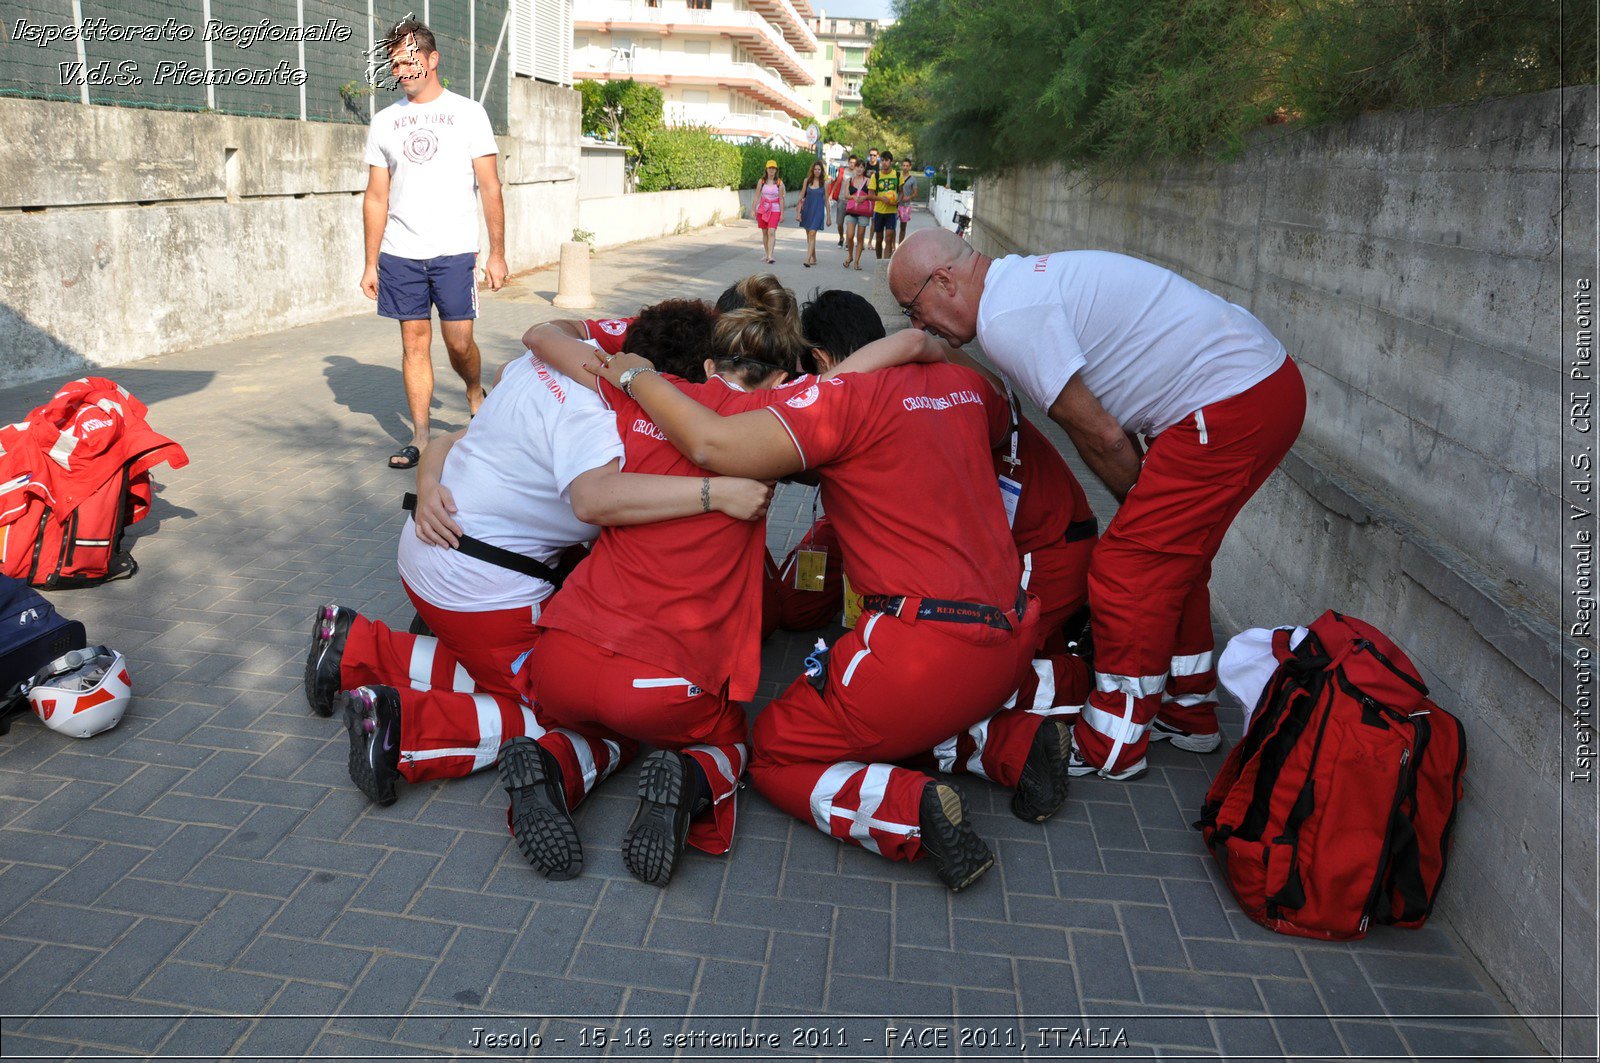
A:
(907, 474)
(608, 333)
(683, 594)
(1051, 498)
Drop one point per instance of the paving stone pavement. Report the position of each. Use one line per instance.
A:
(204, 881)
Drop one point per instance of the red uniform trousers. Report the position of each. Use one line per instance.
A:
(608, 697)
(457, 703)
(1058, 575)
(895, 689)
(1148, 580)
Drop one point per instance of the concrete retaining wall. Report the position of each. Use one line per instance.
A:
(638, 216)
(1412, 264)
(148, 231)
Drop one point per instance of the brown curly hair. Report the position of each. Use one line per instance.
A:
(674, 335)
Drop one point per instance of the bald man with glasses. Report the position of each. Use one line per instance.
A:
(1115, 348)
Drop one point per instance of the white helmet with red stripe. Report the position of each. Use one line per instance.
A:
(81, 693)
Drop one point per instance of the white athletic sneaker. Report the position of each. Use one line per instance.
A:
(1077, 768)
(1194, 743)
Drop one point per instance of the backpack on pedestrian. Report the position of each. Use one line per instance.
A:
(1335, 811)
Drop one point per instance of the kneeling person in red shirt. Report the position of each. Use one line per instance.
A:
(947, 632)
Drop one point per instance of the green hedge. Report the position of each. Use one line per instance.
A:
(792, 165)
(687, 157)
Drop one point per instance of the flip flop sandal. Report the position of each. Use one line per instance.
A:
(407, 455)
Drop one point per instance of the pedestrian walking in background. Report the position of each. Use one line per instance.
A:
(812, 210)
(858, 214)
(429, 157)
(836, 191)
(769, 207)
(908, 192)
(885, 205)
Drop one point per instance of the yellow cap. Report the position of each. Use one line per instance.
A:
(772, 163)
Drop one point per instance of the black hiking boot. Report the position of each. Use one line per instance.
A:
(959, 855)
(538, 815)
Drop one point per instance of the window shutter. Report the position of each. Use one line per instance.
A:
(553, 32)
(522, 37)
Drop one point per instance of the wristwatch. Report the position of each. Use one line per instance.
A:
(625, 381)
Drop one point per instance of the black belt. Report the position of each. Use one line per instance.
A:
(496, 555)
(1080, 530)
(947, 611)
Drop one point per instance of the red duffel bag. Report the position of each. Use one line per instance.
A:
(1335, 811)
(73, 476)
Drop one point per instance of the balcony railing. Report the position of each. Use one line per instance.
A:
(678, 69)
(790, 21)
(767, 126)
(755, 31)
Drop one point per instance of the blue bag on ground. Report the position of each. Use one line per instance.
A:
(32, 634)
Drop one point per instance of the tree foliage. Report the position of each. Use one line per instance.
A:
(864, 130)
(896, 88)
(627, 112)
(1119, 81)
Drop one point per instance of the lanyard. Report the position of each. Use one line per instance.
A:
(1016, 429)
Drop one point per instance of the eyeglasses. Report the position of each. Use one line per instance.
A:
(737, 359)
(910, 309)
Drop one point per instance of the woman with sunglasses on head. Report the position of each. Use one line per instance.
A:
(857, 214)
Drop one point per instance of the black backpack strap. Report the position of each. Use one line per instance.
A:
(496, 555)
(1404, 856)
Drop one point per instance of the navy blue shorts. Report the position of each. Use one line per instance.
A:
(409, 288)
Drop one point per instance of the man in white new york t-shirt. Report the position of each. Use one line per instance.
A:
(1113, 347)
(429, 156)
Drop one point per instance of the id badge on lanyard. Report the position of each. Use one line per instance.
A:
(810, 569)
(811, 562)
(1011, 485)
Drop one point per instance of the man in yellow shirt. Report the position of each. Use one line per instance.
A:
(885, 189)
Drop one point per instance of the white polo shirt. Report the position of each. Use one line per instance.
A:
(1151, 346)
(510, 474)
(428, 149)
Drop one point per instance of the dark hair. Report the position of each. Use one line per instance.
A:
(418, 31)
(854, 157)
(763, 335)
(885, 155)
(730, 299)
(840, 322)
(674, 335)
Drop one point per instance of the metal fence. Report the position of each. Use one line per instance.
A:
(304, 59)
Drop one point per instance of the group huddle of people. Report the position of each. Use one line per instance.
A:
(1000, 634)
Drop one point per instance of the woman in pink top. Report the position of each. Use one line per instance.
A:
(769, 207)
